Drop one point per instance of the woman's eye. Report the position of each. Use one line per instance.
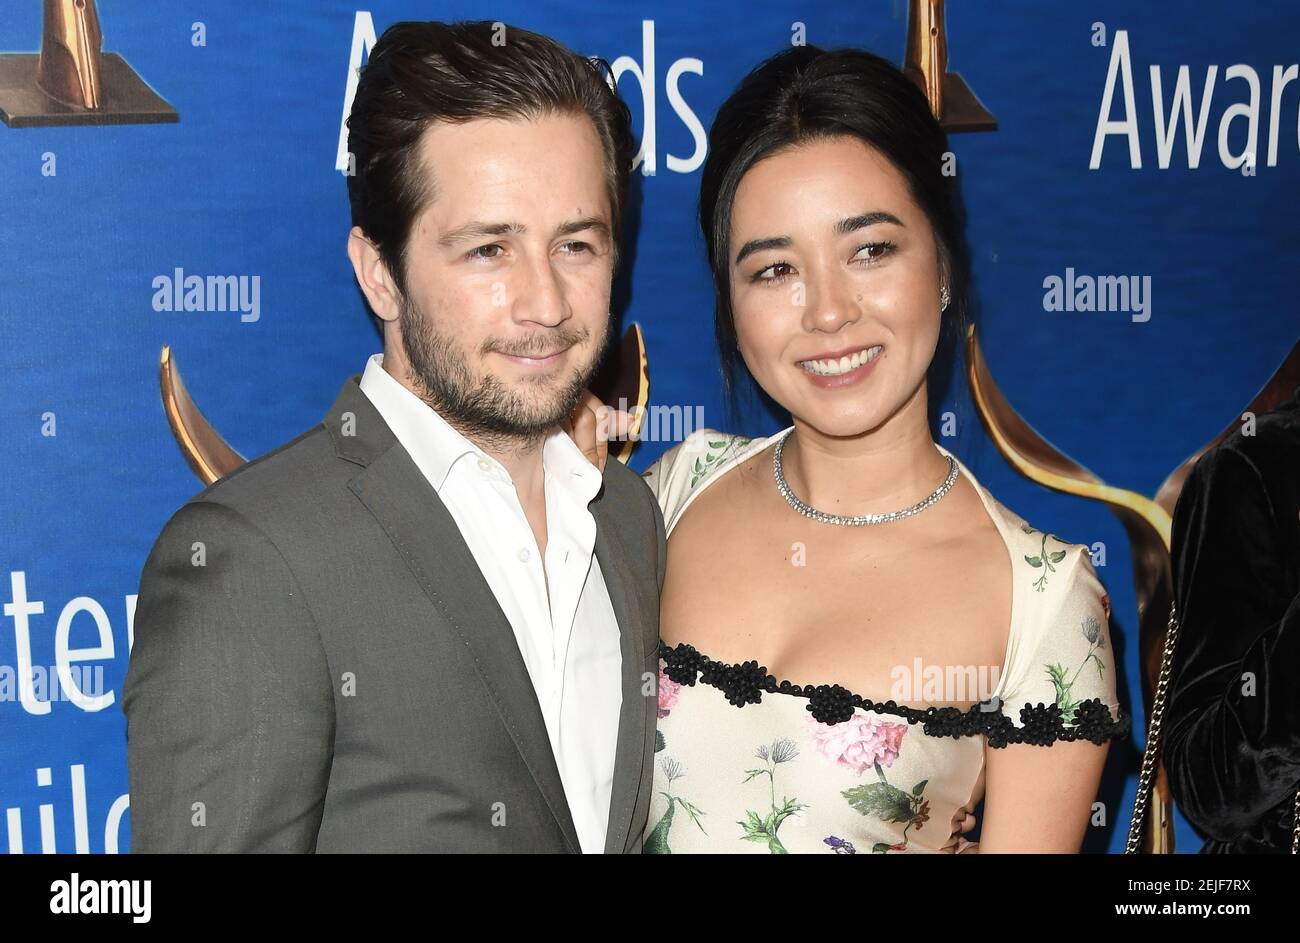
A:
(875, 251)
(485, 252)
(773, 273)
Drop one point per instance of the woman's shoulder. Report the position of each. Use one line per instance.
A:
(1049, 564)
(692, 463)
(1059, 655)
(1041, 559)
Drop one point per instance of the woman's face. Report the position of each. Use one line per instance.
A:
(835, 284)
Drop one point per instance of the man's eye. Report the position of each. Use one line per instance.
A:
(576, 247)
(486, 252)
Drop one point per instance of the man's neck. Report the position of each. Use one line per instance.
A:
(523, 462)
(521, 458)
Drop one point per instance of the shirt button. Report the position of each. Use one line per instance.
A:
(484, 464)
(523, 554)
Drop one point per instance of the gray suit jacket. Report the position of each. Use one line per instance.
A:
(319, 664)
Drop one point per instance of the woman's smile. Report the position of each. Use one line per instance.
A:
(832, 372)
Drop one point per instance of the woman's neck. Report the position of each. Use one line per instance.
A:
(884, 469)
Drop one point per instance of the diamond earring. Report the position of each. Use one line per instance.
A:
(944, 298)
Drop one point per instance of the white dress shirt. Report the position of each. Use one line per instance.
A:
(570, 644)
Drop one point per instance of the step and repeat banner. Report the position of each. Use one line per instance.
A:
(1131, 219)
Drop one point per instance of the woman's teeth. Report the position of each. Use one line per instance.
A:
(830, 368)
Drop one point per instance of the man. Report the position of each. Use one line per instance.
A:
(427, 623)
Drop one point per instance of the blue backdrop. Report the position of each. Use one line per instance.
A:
(246, 185)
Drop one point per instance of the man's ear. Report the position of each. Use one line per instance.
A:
(373, 276)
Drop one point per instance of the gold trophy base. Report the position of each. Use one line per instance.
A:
(127, 98)
(962, 110)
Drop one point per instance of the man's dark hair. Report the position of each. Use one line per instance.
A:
(422, 72)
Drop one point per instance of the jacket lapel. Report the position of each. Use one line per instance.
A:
(636, 722)
(401, 499)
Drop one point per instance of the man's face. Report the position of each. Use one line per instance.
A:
(508, 274)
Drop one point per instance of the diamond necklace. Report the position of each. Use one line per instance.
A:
(858, 520)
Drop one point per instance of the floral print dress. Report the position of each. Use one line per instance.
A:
(745, 762)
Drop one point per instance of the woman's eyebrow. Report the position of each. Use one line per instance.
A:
(758, 245)
(843, 227)
(863, 220)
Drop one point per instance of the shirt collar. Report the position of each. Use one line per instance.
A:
(436, 446)
(566, 466)
(433, 444)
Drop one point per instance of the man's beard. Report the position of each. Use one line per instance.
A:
(485, 409)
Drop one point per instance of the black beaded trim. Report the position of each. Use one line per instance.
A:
(832, 704)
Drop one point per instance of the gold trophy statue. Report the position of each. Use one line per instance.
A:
(926, 63)
(71, 82)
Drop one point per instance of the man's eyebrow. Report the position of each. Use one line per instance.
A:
(594, 223)
(480, 229)
(843, 227)
(476, 229)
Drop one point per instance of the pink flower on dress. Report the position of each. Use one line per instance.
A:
(668, 689)
(858, 743)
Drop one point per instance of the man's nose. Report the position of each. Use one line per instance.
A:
(541, 298)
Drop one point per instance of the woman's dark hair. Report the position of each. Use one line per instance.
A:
(422, 72)
(805, 93)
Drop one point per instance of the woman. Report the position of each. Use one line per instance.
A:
(832, 681)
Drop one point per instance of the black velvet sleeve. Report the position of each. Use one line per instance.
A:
(1232, 747)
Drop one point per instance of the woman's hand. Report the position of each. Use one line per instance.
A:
(965, 847)
(592, 425)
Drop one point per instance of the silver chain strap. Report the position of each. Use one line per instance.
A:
(1295, 832)
(1151, 754)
